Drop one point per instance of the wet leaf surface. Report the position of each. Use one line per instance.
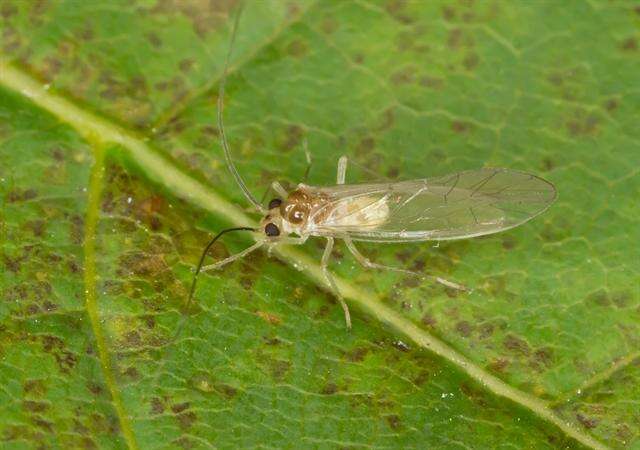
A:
(99, 241)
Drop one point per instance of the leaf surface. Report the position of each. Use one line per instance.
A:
(112, 180)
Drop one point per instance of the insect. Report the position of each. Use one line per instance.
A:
(456, 206)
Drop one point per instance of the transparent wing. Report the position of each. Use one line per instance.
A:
(456, 206)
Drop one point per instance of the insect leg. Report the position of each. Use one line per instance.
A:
(232, 258)
(342, 170)
(307, 155)
(332, 282)
(366, 262)
(277, 187)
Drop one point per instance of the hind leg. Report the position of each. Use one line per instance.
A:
(332, 283)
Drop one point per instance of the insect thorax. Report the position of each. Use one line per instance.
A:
(298, 207)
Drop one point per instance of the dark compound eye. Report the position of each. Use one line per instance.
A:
(271, 230)
(276, 202)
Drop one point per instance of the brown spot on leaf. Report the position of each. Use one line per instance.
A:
(394, 421)
(19, 195)
(455, 38)
(186, 65)
(329, 389)
(187, 419)
(464, 328)
(387, 120)
(516, 345)
(448, 13)
(460, 127)
(498, 365)
(475, 395)
(34, 406)
(621, 298)
(226, 391)
(34, 387)
(7, 10)
(612, 104)
(329, 25)
(428, 320)
(544, 356)
(357, 354)
(486, 330)
(157, 407)
(629, 44)
(269, 317)
(471, 61)
(432, 82)
(298, 48)
(508, 242)
(405, 75)
(599, 298)
(586, 422)
(180, 407)
(293, 137)
(583, 124)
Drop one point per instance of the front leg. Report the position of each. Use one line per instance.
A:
(332, 283)
(342, 170)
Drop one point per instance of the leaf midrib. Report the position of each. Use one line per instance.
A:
(162, 170)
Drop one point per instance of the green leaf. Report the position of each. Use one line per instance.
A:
(112, 181)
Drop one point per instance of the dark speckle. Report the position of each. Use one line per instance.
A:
(403, 76)
(612, 104)
(156, 406)
(499, 365)
(486, 330)
(7, 10)
(621, 298)
(583, 124)
(180, 407)
(598, 298)
(448, 13)
(464, 328)
(34, 406)
(186, 65)
(516, 345)
(329, 25)
(357, 354)
(432, 82)
(186, 419)
(293, 137)
(226, 391)
(428, 320)
(34, 387)
(394, 421)
(508, 242)
(387, 120)
(393, 172)
(460, 127)
(329, 389)
(630, 45)
(455, 38)
(471, 61)
(298, 48)
(365, 145)
(586, 422)
(543, 356)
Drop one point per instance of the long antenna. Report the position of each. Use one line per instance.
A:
(223, 137)
(192, 290)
